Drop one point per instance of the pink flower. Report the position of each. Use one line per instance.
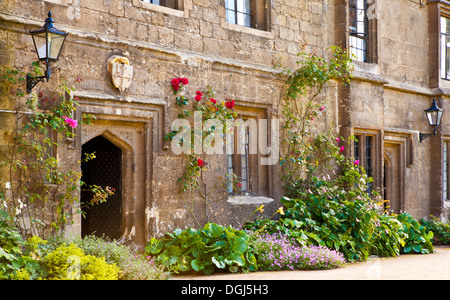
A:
(342, 149)
(322, 108)
(356, 162)
(72, 123)
(338, 139)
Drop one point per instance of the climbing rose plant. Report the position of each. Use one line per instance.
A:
(204, 102)
(39, 194)
(307, 150)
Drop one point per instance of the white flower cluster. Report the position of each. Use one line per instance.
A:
(4, 204)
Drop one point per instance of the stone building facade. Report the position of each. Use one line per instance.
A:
(400, 66)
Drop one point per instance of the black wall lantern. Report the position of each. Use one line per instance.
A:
(48, 42)
(434, 117)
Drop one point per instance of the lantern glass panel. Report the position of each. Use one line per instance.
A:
(439, 117)
(431, 118)
(55, 43)
(40, 42)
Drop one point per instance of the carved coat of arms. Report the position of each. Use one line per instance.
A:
(121, 72)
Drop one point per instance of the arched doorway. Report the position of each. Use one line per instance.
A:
(104, 170)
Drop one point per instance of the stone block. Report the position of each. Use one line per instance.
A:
(116, 8)
(99, 5)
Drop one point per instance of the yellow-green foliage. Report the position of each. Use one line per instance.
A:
(70, 262)
(20, 275)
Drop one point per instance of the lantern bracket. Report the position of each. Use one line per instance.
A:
(423, 136)
(33, 81)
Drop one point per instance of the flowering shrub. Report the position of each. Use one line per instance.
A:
(71, 122)
(70, 262)
(132, 266)
(72, 258)
(332, 214)
(277, 252)
(328, 203)
(307, 150)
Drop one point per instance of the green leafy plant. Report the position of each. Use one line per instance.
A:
(204, 250)
(10, 250)
(19, 259)
(418, 239)
(355, 227)
(388, 237)
(441, 230)
(337, 223)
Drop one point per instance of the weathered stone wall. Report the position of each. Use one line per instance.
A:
(160, 43)
(390, 95)
(387, 97)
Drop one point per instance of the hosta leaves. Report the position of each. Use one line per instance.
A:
(238, 245)
(204, 250)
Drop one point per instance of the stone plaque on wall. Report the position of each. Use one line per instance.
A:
(121, 72)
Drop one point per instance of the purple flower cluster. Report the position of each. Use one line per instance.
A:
(277, 252)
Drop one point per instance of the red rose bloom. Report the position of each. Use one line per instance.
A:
(175, 81)
(199, 93)
(198, 98)
(229, 104)
(184, 80)
(176, 87)
(200, 162)
(213, 100)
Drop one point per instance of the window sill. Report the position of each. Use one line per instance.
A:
(248, 199)
(444, 83)
(59, 2)
(366, 67)
(230, 26)
(165, 10)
